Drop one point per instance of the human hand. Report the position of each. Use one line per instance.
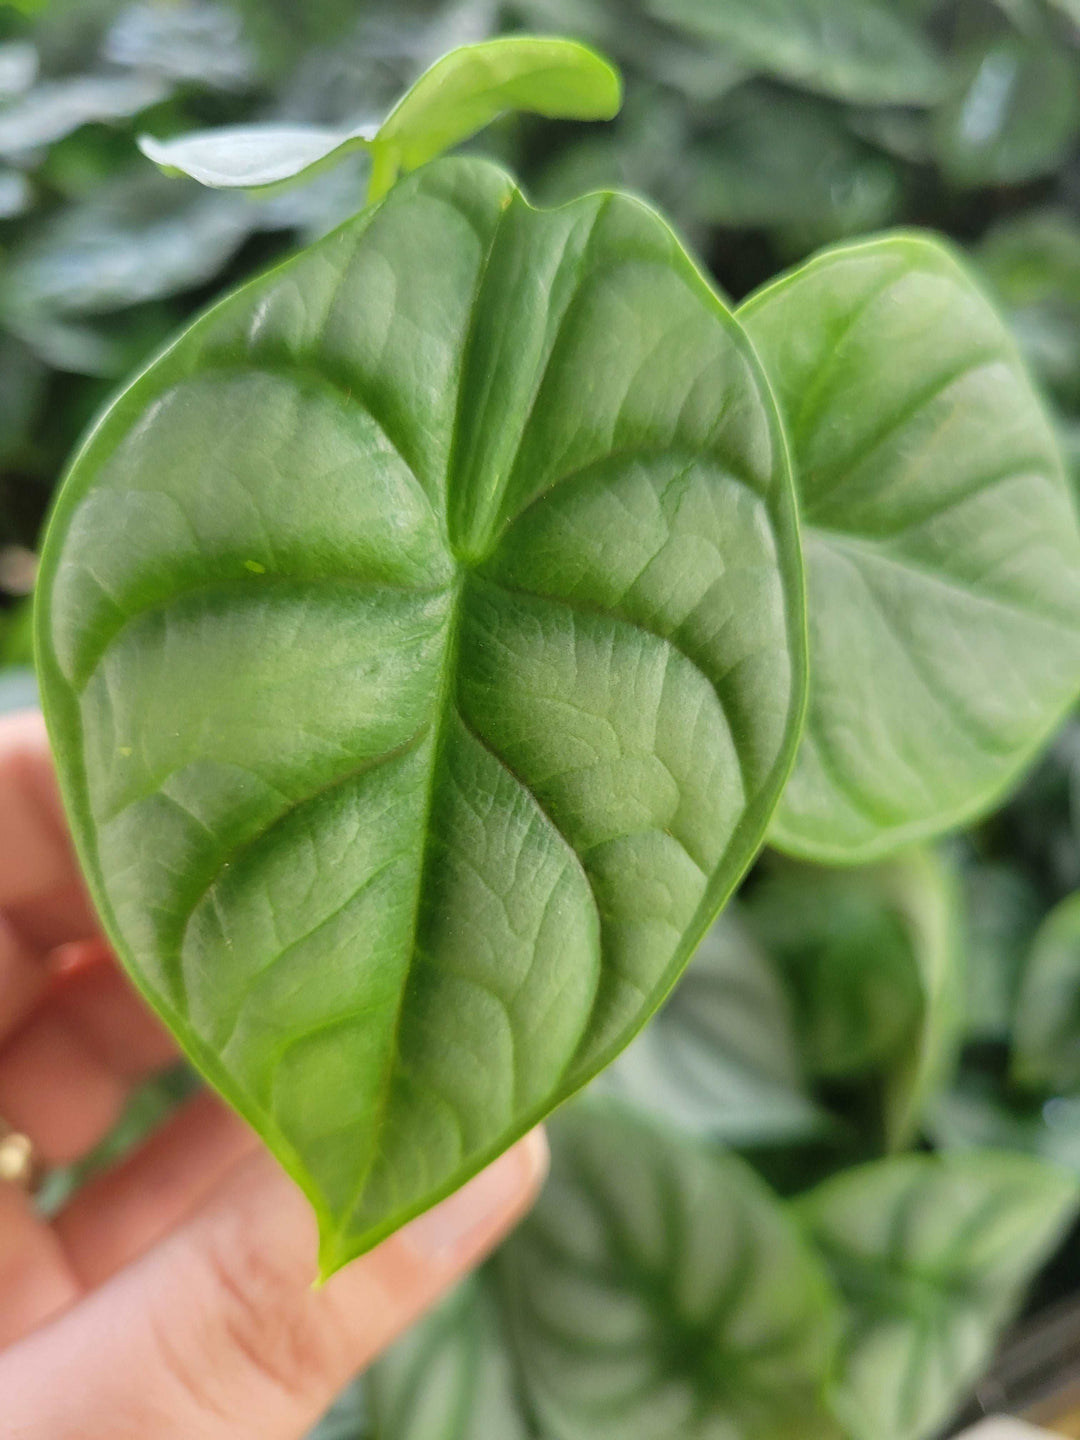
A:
(172, 1296)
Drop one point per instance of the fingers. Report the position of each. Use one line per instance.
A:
(36, 859)
(41, 896)
(23, 979)
(121, 1214)
(66, 1075)
(36, 1281)
(114, 1218)
(217, 1332)
(40, 888)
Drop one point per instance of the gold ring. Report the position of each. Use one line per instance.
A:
(19, 1163)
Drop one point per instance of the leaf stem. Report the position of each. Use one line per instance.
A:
(385, 168)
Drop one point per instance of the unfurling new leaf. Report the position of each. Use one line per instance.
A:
(461, 94)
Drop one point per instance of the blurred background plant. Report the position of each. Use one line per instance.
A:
(846, 1042)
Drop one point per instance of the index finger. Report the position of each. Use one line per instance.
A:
(42, 900)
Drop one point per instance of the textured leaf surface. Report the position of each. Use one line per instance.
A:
(857, 50)
(722, 1058)
(1046, 1033)
(459, 95)
(941, 544)
(435, 606)
(932, 1255)
(873, 963)
(660, 1290)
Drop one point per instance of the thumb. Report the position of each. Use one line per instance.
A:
(217, 1332)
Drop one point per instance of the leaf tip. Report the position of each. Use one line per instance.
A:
(157, 151)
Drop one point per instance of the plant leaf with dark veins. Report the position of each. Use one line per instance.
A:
(443, 628)
(932, 1254)
(660, 1289)
(941, 542)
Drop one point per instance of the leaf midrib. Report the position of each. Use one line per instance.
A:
(441, 711)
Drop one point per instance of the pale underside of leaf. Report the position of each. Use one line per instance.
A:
(252, 156)
(452, 659)
(941, 542)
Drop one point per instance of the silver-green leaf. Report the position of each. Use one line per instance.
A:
(873, 959)
(941, 542)
(932, 1254)
(659, 1290)
(248, 157)
(454, 1376)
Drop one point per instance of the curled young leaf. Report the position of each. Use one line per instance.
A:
(932, 1255)
(941, 541)
(459, 95)
(473, 85)
(435, 604)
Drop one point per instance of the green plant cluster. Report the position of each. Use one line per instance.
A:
(809, 1197)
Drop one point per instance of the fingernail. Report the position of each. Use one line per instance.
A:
(471, 1220)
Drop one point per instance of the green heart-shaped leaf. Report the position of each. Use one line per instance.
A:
(932, 1255)
(941, 542)
(420, 640)
(659, 1289)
